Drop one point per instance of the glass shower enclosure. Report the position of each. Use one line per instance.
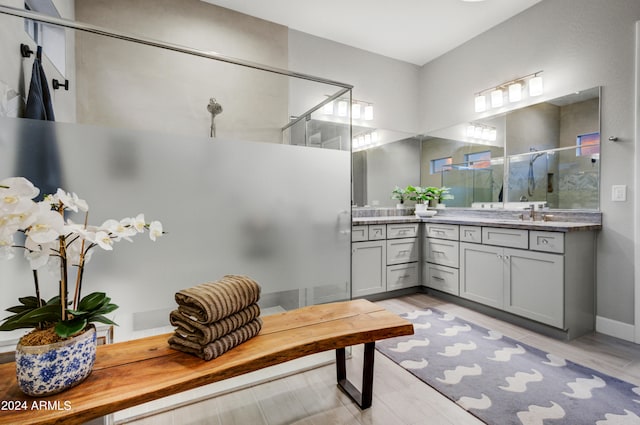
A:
(201, 142)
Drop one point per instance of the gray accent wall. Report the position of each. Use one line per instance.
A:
(579, 44)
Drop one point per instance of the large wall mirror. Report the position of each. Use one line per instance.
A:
(544, 153)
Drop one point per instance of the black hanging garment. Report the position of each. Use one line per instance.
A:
(38, 156)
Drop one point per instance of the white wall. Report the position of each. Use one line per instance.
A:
(579, 44)
(133, 86)
(391, 85)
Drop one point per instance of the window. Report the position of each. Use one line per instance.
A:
(588, 144)
(441, 164)
(50, 37)
(478, 159)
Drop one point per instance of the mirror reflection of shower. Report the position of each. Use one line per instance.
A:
(531, 186)
(214, 109)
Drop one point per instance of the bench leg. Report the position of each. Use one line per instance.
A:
(364, 398)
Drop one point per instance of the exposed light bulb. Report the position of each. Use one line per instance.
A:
(496, 98)
(515, 92)
(374, 137)
(477, 133)
(481, 103)
(367, 139)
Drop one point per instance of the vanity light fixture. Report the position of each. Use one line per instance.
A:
(368, 112)
(497, 98)
(515, 91)
(342, 108)
(535, 86)
(481, 132)
(481, 103)
(365, 140)
(358, 109)
(355, 111)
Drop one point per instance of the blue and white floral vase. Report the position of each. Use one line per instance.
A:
(49, 369)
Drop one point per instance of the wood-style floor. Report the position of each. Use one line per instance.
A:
(312, 397)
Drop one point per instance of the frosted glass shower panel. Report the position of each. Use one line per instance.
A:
(277, 213)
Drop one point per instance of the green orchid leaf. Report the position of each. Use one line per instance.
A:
(47, 313)
(106, 309)
(103, 319)
(54, 301)
(30, 301)
(93, 301)
(70, 327)
(20, 309)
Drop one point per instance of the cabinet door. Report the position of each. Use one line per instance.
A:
(535, 285)
(482, 274)
(368, 265)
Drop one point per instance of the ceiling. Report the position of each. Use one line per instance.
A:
(414, 31)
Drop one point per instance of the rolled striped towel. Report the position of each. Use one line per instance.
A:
(219, 346)
(203, 334)
(212, 301)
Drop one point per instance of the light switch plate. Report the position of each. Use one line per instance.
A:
(619, 193)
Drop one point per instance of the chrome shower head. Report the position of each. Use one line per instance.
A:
(214, 109)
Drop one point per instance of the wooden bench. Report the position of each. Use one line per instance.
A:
(130, 373)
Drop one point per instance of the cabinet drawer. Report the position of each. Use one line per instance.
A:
(441, 278)
(377, 232)
(402, 251)
(409, 230)
(359, 233)
(442, 252)
(442, 231)
(471, 234)
(402, 276)
(514, 238)
(546, 241)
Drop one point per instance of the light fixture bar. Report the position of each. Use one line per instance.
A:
(514, 89)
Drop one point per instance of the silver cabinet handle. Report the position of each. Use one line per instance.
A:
(437, 278)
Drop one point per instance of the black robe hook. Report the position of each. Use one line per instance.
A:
(25, 50)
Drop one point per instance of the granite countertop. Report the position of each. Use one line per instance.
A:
(554, 226)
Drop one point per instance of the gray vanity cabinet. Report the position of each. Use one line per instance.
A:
(522, 282)
(368, 260)
(534, 285)
(482, 274)
(369, 271)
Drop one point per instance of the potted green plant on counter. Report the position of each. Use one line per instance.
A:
(422, 196)
(438, 195)
(399, 194)
(60, 350)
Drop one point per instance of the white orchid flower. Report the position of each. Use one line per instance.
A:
(38, 254)
(139, 223)
(103, 240)
(155, 230)
(71, 201)
(13, 189)
(119, 229)
(47, 225)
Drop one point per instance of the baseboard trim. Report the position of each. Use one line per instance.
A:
(615, 328)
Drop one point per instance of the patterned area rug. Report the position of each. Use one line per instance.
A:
(503, 381)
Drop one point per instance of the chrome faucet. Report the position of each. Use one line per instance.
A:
(532, 212)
